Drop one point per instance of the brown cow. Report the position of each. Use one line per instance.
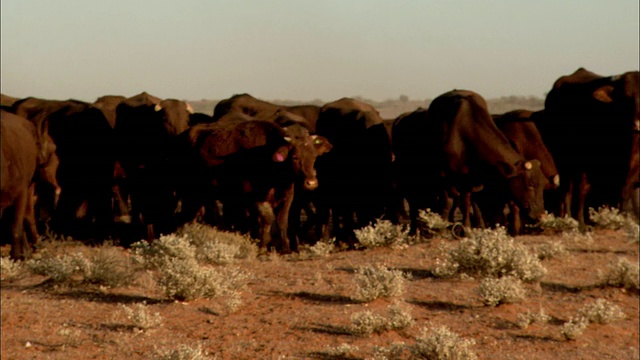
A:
(254, 164)
(20, 162)
(589, 127)
(453, 148)
(520, 129)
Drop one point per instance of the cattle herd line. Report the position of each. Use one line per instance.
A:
(81, 169)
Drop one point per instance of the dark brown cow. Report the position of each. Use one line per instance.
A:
(356, 179)
(83, 138)
(254, 165)
(520, 129)
(22, 164)
(260, 109)
(108, 104)
(453, 148)
(146, 131)
(589, 126)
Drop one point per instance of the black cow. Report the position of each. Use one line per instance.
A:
(83, 138)
(253, 165)
(450, 150)
(22, 165)
(355, 177)
(589, 126)
(146, 131)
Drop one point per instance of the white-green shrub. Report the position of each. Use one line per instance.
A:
(490, 253)
(504, 290)
(183, 352)
(382, 233)
(608, 218)
(601, 311)
(378, 281)
(140, 317)
(622, 273)
(523, 320)
(431, 223)
(11, 269)
(550, 222)
(440, 343)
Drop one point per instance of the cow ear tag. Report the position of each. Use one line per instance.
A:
(528, 165)
(279, 157)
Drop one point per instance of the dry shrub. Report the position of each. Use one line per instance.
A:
(504, 290)
(608, 218)
(11, 269)
(490, 253)
(523, 320)
(432, 224)
(365, 323)
(183, 352)
(219, 247)
(550, 222)
(378, 281)
(181, 276)
(550, 250)
(440, 343)
(382, 233)
(140, 317)
(622, 273)
(601, 312)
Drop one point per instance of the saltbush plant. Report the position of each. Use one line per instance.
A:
(431, 223)
(622, 273)
(504, 290)
(219, 247)
(179, 273)
(378, 281)
(140, 317)
(183, 352)
(490, 253)
(608, 218)
(11, 269)
(601, 311)
(550, 250)
(440, 343)
(523, 320)
(366, 322)
(553, 223)
(382, 233)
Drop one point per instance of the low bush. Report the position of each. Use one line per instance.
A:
(504, 290)
(382, 233)
(378, 281)
(440, 343)
(490, 253)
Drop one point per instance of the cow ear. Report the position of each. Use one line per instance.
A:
(281, 154)
(603, 94)
(321, 144)
(189, 108)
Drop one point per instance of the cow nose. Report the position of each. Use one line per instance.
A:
(310, 184)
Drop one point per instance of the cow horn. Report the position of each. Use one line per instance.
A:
(556, 180)
(287, 139)
(158, 107)
(189, 108)
(528, 165)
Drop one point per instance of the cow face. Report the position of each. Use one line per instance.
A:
(305, 149)
(527, 188)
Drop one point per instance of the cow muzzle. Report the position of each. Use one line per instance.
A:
(311, 184)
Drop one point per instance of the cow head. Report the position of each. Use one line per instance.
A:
(527, 186)
(46, 180)
(303, 149)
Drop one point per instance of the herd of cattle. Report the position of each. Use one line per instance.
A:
(80, 169)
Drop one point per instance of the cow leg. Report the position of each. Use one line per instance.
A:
(584, 190)
(515, 219)
(266, 218)
(565, 209)
(283, 222)
(30, 216)
(413, 216)
(465, 207)
(19, 247)
(477, 214)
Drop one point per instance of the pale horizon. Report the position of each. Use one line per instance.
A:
(306, 50)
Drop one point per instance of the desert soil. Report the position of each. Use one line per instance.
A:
(299, 309)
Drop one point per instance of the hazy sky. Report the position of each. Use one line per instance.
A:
(304, 50)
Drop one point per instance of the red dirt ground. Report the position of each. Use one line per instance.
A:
(298, 310)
